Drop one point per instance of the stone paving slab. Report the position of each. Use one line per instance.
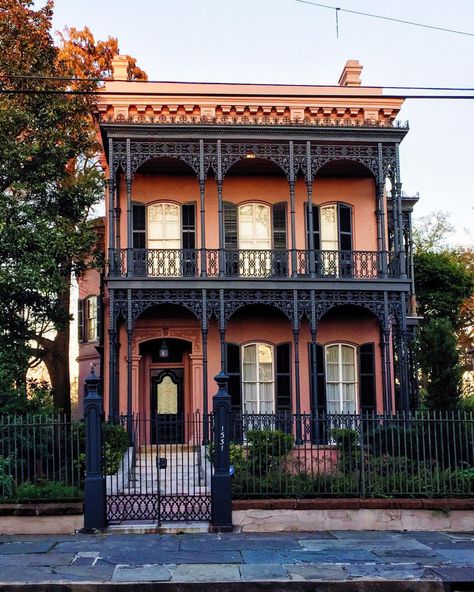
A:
(317, 572)
(266, 556)
(263, 572)
(15, 548)
(35, 559)
(144, 573)
(195, 572)
(380, 545)
(455, 574)
(390, 572)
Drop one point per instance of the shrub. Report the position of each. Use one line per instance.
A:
(267, 448)
(46, 490)
(115, 445)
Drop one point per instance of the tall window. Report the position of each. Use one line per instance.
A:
(258, 381)
(255, 236)
(164, 226)
(329, 233)
(341, 378)
(91, 319)
(255, 227)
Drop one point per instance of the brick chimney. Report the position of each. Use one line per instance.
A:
(351, 74)
(120, 67)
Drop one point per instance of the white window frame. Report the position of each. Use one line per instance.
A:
(257, 382)
(340, 382)
(87, 318)
(158, 257)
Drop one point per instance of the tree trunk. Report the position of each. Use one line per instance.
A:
(56, 359)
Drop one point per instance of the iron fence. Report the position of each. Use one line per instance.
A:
(404, 455)
(254, 263)
(41, 457)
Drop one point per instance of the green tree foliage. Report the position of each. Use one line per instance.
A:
(444, 279)
(443, 283)
(439, 358)
(48, 182)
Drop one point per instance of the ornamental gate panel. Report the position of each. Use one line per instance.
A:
(165, 473)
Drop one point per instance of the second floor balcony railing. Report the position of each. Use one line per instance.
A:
(254, 264)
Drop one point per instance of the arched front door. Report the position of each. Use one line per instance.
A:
(167, 406)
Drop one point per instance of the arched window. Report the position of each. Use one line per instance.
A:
(255, 226)
(341, 378)
(164, 226)
(258, 378)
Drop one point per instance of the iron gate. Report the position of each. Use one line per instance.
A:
(165, 474)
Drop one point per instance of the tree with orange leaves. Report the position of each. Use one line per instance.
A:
(49, 181)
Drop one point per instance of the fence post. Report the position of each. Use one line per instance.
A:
(221, 494)
(94, 484)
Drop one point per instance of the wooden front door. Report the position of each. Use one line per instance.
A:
(167, 406)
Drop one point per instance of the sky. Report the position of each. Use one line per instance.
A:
(283, 41)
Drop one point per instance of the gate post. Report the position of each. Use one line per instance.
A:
(94, 484)
(221, 494)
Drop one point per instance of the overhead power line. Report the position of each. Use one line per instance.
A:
(339, 96)
(365, 86)
(386, 18)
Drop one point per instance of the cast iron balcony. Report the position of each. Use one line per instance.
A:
(254, 264)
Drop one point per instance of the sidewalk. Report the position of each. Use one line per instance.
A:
(338, 560)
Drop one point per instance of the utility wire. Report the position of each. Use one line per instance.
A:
(385, 18)
(154, 94)
(365, 86)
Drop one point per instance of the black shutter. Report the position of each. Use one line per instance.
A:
(345, 227)
(231, 239)
(188, 233)
(232, 368)
(189, 226)
(316, 227)
(319, 431)
(344, 215)
(279, 260)
(230, 225)
(320, 378)
(283, 386)
(279, 226)
(80, 321)
(283, 378)
(367, 377)
(138, 226)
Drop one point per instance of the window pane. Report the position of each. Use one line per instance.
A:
(329, 239)
(250, 354)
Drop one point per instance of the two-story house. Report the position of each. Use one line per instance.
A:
(257, 229)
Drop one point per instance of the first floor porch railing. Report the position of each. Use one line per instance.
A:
(253, 263)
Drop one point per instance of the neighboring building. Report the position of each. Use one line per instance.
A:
(249, 229)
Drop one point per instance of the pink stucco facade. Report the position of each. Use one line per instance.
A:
(346, 181)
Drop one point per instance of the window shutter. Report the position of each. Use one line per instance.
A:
(283, 386)
(80, 321)
(345, 227)
(367, 377)
(316, 227)
(188, 236)
(230, 225)
(318, 427)
(138, 226)
(279, 226)
(320, 382)
(283, 378)
(232, 367)
(189, 226)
